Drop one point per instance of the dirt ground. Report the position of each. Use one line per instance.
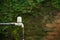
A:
(54, 34)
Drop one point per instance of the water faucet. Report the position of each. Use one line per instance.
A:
(19, 22)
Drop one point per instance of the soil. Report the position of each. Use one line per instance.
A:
(55, 25)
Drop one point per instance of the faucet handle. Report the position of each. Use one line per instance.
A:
(19, 19)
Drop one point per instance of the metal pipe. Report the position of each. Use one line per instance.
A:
(7, 23)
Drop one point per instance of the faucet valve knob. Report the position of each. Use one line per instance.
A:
(19, 19)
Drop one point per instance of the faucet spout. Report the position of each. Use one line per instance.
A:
(20, 24)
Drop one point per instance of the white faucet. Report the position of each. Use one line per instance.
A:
(19, 22)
